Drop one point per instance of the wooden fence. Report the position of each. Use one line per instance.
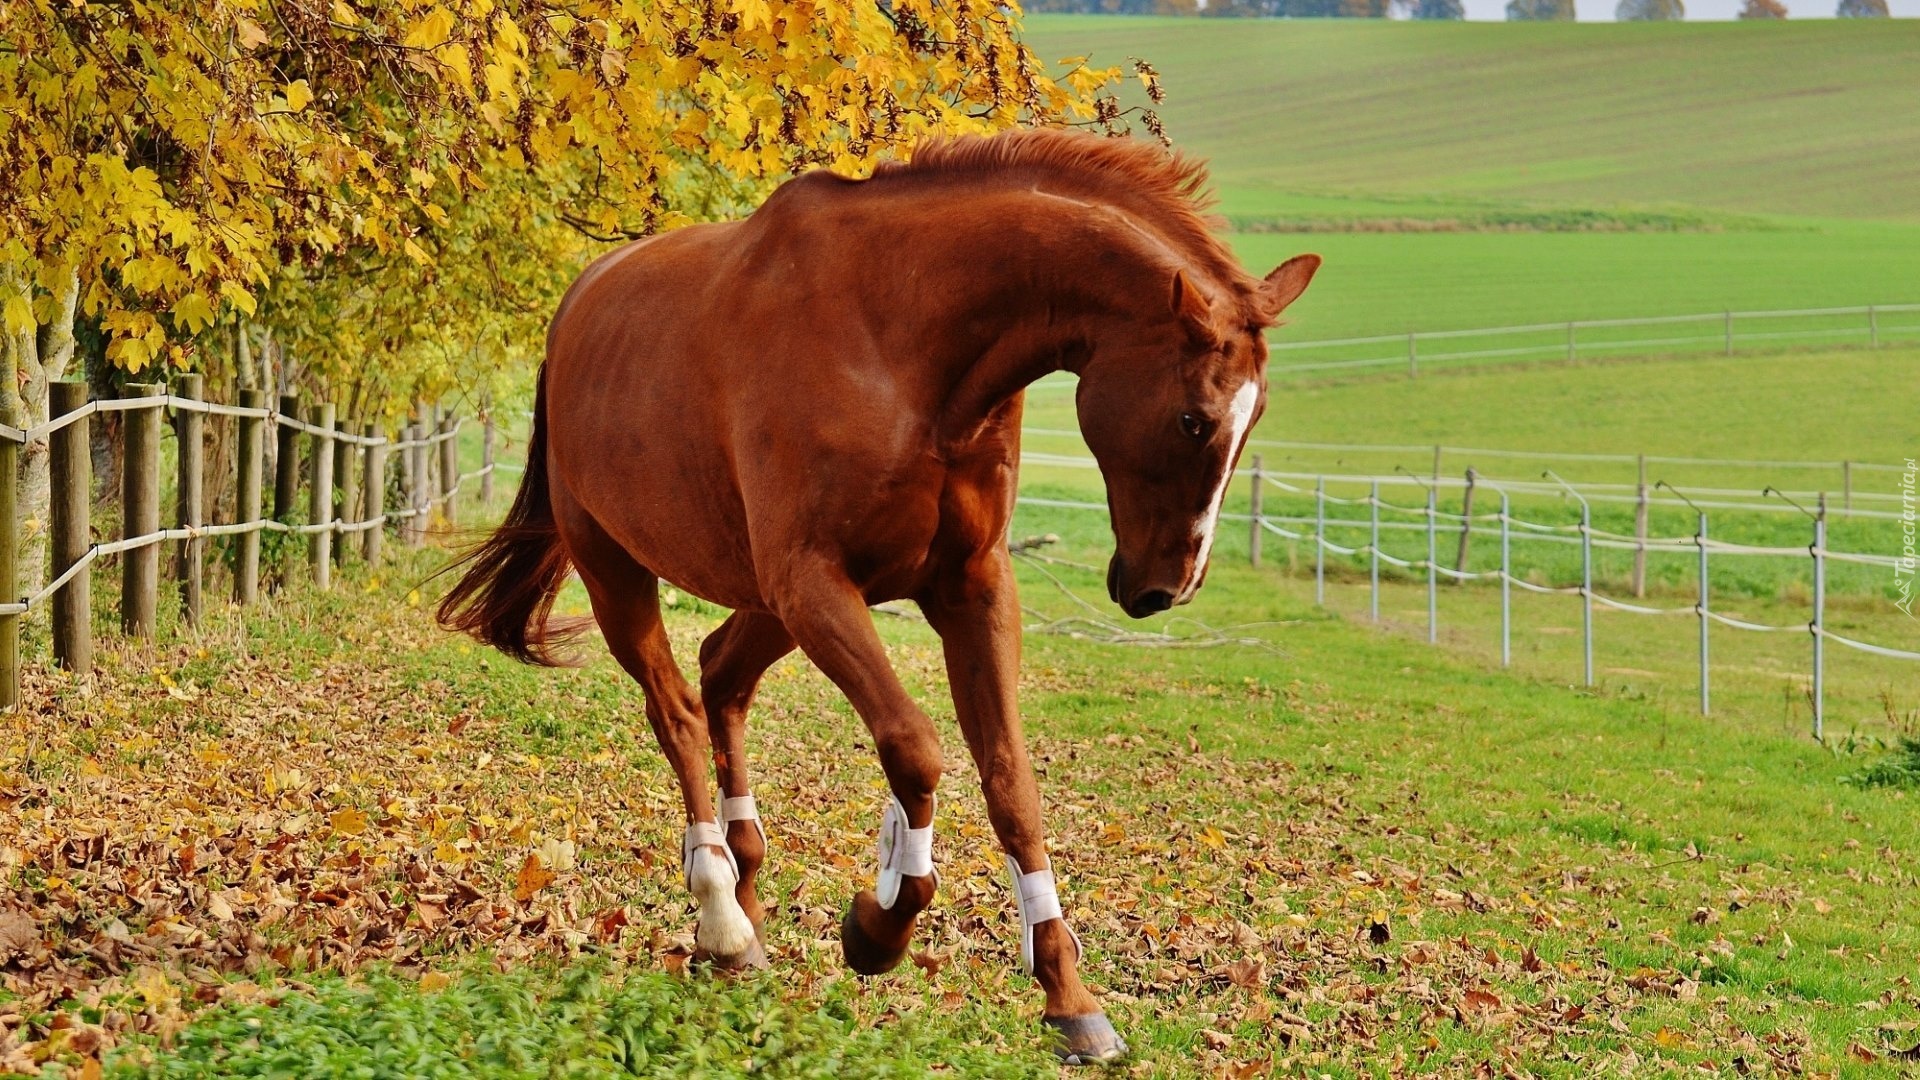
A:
(346, 468)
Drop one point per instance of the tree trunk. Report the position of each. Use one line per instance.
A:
(36, 358)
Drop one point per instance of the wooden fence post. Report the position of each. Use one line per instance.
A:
(70, 469)
(250, 447)
(140, 494)
(1253, 495)
(286, 475)
(373, 494)
(1729, 333)
(346, 479)
(407, 482)
(187, 425)
(320, 497)
(1640, 533)
(486, 460)
(1846, 487)
(422, 479)
(449, 465)
(9, 560)
(1413, 358)
(1466, 525)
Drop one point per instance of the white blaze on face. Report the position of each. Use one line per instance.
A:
(1239, 416)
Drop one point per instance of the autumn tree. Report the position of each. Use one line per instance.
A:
(1763, 9)
(1650, 11)
(1539, 10)
(339, 170)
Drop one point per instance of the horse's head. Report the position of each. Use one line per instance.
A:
(1166, 405)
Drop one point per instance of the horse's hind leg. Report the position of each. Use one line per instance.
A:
(732, 659)
(626, 604)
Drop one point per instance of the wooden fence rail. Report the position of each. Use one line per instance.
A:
(346, 477)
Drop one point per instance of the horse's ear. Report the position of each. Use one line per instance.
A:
(1194, 309)
(1287, 282)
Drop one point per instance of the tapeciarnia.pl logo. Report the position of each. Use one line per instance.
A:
(1904, 563)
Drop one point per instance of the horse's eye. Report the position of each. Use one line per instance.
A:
(1192, 426)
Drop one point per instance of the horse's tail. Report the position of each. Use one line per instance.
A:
(506, 593)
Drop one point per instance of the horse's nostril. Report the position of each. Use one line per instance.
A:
(1149, 603)
(1113, 579)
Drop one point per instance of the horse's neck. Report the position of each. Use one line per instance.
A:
(1024, 332)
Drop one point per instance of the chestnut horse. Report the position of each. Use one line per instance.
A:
(816, 409)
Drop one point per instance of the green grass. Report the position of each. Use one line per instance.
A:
(1694, 890)
(1773, 150)
(1795, 118)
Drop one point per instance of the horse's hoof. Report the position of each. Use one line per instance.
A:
(1085, 1040)
(865, 954)
(753, 959)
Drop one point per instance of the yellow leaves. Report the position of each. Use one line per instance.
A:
(18, 315)
(248, 34)
(430, 31)
(435, 981)
(533, 877)
(299, 94)
(194, 311)
(348, 821)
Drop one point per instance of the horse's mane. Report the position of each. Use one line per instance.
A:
(1168, 191)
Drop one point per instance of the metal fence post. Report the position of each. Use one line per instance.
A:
(1506, 584)
(1820, 621)
(1320, 541)
(70, 470)
(1729, 333)
(1373, 547)
(140, 509)
(1259, 525)
(1873, 328)
(1586, 589)
(1846, 487)
(1413, 358)
(1570, 351)
(1433, 569)
(1706, 691)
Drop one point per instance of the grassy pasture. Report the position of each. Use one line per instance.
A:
(1597, 170)
(302, 841)
(1795, 119)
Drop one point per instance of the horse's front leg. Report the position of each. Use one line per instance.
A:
(829, 619)
(978, 618)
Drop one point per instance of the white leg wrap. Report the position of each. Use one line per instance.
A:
(742, 809)
(904, 853)
(724, 929)
(1039, 902)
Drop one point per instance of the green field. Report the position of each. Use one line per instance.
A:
(320, 837)
(1318, 849)
(1777, 151)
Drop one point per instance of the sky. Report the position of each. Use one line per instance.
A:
(1602, 10)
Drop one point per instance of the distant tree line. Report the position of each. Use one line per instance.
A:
(1517, 10)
